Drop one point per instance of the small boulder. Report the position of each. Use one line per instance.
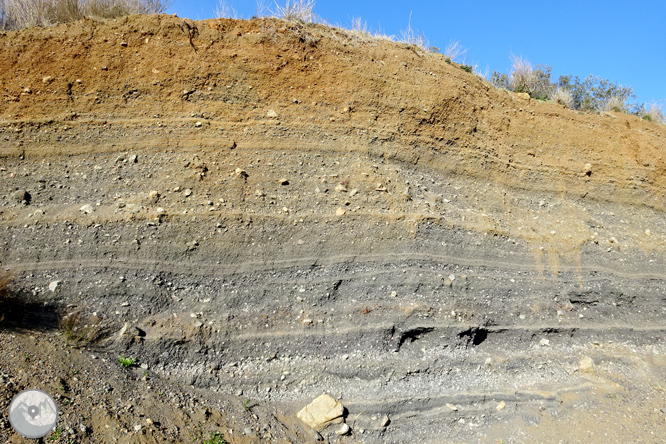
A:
(343, 430)
(153, 196)
(586, 365)
(21, 197)
(322, 412)
(385, 421)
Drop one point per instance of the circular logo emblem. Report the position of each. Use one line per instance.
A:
(33, 413)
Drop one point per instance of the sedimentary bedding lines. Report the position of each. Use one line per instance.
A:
(448, 330)
(216, 270)
(404, 408)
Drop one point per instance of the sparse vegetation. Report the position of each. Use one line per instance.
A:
(55, 435)
(296, 11)
(215, 438)
(126, 362)
(79, 332)
(651, 112)
(591, 94)
(224, 10)
(415, 38)
(19, 14)
(453, 51)
(562, 96)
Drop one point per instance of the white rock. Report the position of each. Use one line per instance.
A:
(321, 412)
(87, 209)
(53, 286)
(271, 113)
(385, 421)
(343, 430)
(544, 342)
(586, 365)
(501, 405)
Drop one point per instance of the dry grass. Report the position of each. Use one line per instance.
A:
(19, 14)
(563, 97)
(614, 104)
(522, 74)
(296, 11)
(654, 113)
(454, 50)
(415, 38)
(79, 332)
(224, 10)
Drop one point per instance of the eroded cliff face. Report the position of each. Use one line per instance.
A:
(279, 210)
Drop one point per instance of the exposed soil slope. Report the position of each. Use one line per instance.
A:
(271, 210)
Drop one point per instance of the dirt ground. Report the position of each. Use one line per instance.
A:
(260, 212)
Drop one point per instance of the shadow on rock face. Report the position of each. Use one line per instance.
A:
(20, 310)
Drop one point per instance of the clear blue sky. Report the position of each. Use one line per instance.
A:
(622, 41)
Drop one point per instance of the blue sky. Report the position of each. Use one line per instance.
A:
(622, 41)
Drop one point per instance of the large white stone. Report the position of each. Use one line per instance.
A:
(322, 412)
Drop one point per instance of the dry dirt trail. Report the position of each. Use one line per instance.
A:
(261, 212)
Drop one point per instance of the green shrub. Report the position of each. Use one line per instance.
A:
(215, 438)
(467, 68)
(126, 362)
(596, 94)
(591, 94)
(525, 78)
(651, 112)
